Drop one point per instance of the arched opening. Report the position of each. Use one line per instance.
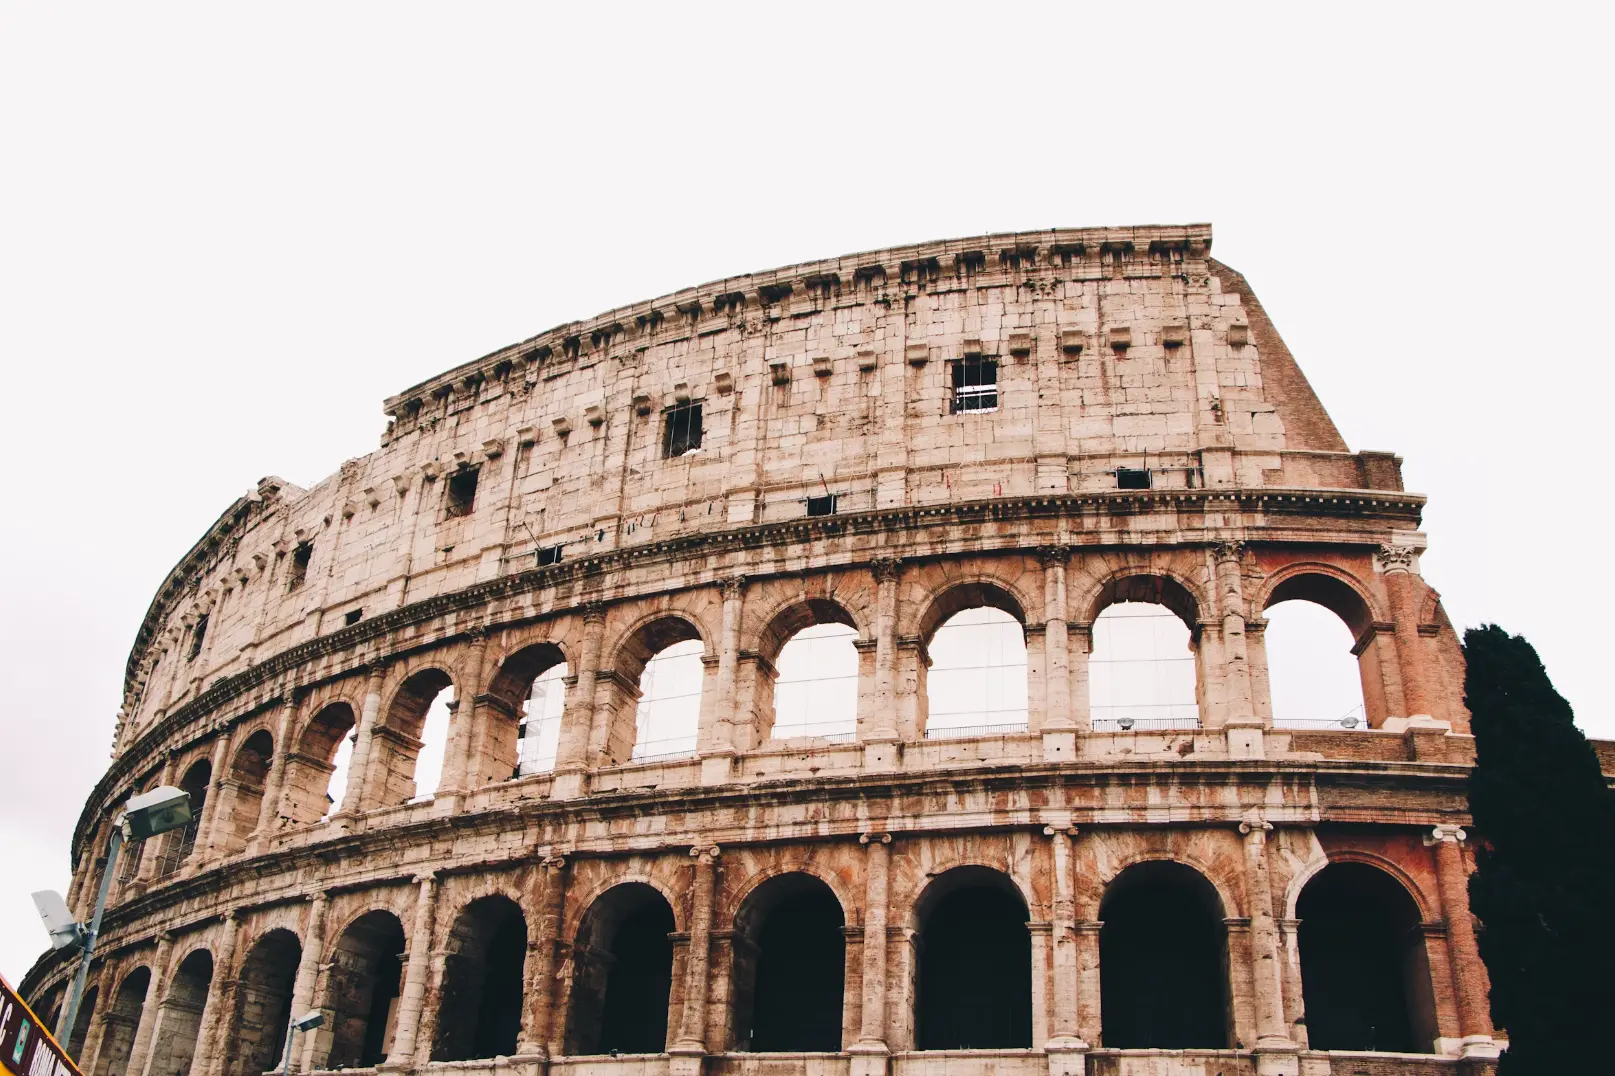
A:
(669, 712)
(179, 1019)
(177, 847)
(481, 1010)
(81, 1025)
(317, 771)
(523, 719)
(412, 741)
(972, 672)
(1364, 975)
(245, 791)
(263, 1004)
(789, 967)
(622, 974)
(1318, 676)
(1141, 674)
(366, 970)
(975, 964)
(1163, 973)
(123, 1023)
(816, 689)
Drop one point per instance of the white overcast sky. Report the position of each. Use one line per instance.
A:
(228, 231)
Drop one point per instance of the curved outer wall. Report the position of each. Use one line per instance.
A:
(303, 610)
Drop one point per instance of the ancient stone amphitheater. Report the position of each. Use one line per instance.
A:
(648, 847)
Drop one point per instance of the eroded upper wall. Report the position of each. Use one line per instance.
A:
(1115, 348)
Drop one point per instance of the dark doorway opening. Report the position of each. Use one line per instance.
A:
(123, 1023)
(622, 974)
(366, 968)
(481, 1012)
(263, 1004)
(1163, 961)
(975, 980)
(790, 966)
(1364, 975)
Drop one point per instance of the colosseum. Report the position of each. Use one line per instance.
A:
(719, 687)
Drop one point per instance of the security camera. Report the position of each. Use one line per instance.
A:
(59, 922)
(309, 1021)
(157, 811)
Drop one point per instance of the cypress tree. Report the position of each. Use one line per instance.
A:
(1544, 889)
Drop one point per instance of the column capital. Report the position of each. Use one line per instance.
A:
(1445, 834)
(477, 633)
(1228, 549)
(886, 569)
(1068, 831)
(594, 611)
(1254, 822)
(1054, 556)
(874, 838)
(554, 861)
(1395, 558)
(732, 587)
(705, 854)
(425, 878)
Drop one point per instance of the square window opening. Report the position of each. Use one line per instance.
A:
(352, 617)
(682, 433)
(822, 506)
(461, 496)
(975, 385)
(198, 634)
(300, 558)
(1133, 478)
(550, 554)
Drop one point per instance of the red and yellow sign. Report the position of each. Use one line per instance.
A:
(27, 1048)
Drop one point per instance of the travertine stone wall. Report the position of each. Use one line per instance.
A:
(307, 616)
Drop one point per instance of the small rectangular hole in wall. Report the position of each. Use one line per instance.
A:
(822, 506)
(198, 634)
(461, 495)
(300, 558)
(1132, 478)
(550, 554)
(682, 432)
(975, 384)
(352, 617)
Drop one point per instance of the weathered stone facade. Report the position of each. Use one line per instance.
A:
(526, 509)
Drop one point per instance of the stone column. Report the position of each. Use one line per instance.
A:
(1066, 1051)
(1469, 987)
(412, 995)
(1276, 1055)
(144, 1048)
(870, 1053)
(1079, 650)
(691, 1046)
(1244, 735)
(207, 830)
(717, 740)
(355, 799)
(1088, 984)
(308, 973)
(1401, 584)
(1058, 723)
(275, 782)
(881, 736)
(215, 1018)
(577, 719)
(534, 1040)
(465, 728)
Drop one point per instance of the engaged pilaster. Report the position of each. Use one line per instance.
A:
(1469, 988)
(1276, 1054)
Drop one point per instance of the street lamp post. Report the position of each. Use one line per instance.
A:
(147, 815)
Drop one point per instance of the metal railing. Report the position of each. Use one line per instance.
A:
(1145, 724)
(965, 732)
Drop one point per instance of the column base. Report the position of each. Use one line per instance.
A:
(1067, 1056)
(686, 1059)
(1479, 1046)
(718, 768)
(1059, 745)
(882, 754)
(569, 785)
(1246, 739)
(1276, 1057)
(870, 1059)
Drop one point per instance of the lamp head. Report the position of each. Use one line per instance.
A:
(309, 1021)
(158, 811)
(59, 922)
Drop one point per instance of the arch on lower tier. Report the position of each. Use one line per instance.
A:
(973, 986)
(179, 1017)
(123, 1022)
(256, 1032)
(622, 973)
(788, 977)
(1163, 989)
(361, 987)
(480, 1007)
(81, 1025)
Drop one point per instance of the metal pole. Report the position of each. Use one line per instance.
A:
(291, 1033)
(70, 1011)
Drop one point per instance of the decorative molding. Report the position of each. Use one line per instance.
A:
(1395, 558)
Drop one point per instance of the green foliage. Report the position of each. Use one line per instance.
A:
(1545, 884)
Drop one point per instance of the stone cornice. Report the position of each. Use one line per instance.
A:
(1068, 512)
(1014, 251)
